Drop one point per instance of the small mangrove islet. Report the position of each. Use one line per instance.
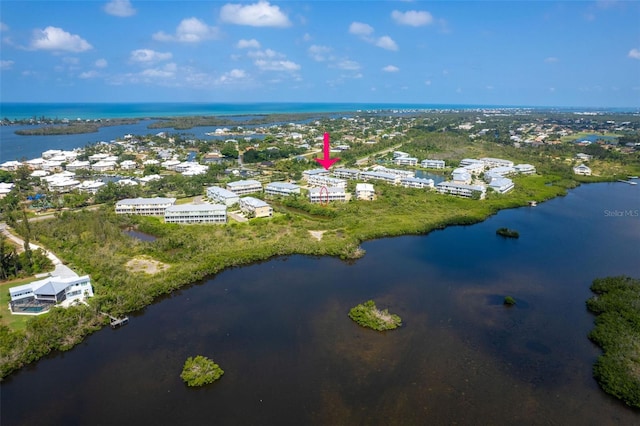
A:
(368, 315)
(200, 371)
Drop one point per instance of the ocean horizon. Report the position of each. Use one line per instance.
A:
(87, 111)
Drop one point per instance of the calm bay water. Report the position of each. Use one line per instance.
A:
(291, 355)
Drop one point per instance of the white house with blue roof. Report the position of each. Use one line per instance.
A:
(40, 296)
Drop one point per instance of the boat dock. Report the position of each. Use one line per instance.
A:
(116, 322)
(627, 181)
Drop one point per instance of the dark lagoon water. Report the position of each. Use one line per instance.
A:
(291, 355)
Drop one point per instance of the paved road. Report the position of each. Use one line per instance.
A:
(60, 269)
(364, 160)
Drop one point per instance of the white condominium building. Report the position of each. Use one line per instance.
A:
(243, 187)
(144, 206)
(346, 173)
(416, 183)
(496, 162)
(385, 177)
(255, 207)
(525, 169)
(223, 196)
(321, 180)
(405, 161)
(325, 195)
(432, 164)
(365, 191)
(461, 190)
(196, 213)
(282, 189)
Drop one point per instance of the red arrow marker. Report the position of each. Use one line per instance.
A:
(326, 162)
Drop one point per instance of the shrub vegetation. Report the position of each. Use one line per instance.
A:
(368, 315)
(200, 371)
(617, 331)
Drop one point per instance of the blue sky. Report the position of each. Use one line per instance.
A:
(540, 53)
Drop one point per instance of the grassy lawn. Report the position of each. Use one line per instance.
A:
(15, 322)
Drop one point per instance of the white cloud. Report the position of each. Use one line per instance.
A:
(120, 8)
(268, 53)
(390, 68)
(232, 76)
(54, 38)
(365, 32)
(164, 72)
(148, 56)
(71, 60)
(6, 64)
(248, 44)
(360, 29)
(101, 63)
(276, 65)
(89, 74)
(348, 65)
(386, 42)
(190, 30)
(413, 18)
(4, 27)
(634, 53)
(261, 14)
(551, 59)
(319, 53)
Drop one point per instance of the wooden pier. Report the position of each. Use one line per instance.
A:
(116, 322)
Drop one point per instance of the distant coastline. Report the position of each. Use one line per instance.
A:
(86, 111)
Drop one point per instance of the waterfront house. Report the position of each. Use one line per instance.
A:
(365, 191)
(461, 190)
(40, 296)
(282, 189)
(242, 187)
(432, 164)
(196, 213)
(144, 206)
(223, 196)
(255, 207)
(325, 195)
(582, 170)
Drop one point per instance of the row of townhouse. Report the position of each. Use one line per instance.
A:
(196, 213)
(322, 180)
(461, 189)
(327, 194)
